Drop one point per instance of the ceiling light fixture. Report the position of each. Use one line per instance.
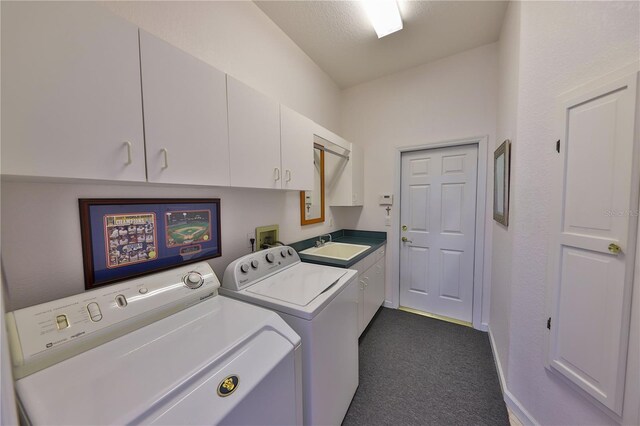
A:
(384, 16)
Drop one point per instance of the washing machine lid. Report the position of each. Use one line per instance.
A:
(300, 284)
(143, 375)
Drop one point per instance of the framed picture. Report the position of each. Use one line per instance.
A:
(501, 166)
(125, 238)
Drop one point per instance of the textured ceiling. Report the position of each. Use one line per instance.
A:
(339, 38)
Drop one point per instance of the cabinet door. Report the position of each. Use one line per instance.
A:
(254, 137)
(296, 146)
(346, 178)
(71, 103)
(361, 305)
(374, 292)
(185, 116)
(593, 246)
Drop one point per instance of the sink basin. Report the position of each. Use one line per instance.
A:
(340, 251)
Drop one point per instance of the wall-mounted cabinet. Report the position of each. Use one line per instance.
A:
(71, 104)
(296, 146)
(345, 177)
(254, 137)
(75, 79)
(270, 145)
(185, 116)
(349, 187)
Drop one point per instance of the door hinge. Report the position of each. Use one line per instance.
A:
(549, 323)
(558, 145)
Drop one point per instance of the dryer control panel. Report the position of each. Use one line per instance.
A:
(255, 266)
(48, 333)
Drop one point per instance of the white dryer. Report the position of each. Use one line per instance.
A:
(320, 304)
(162, 349)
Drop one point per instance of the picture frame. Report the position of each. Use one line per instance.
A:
(123, 238)
(501, 182)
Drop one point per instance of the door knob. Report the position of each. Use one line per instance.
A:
(406, 240)
(614, 248)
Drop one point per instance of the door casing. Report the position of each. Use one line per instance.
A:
(480, 281)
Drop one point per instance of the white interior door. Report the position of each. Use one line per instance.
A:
(597, 213)
(438, 215)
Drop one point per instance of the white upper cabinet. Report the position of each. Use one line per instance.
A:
(345, 178)
(254, 137)
(185, 116)
(71, 104)
(296, 146)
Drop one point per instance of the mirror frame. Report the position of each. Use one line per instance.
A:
(303, 220)
(504, 151)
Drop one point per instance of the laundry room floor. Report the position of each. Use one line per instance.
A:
(416, 370)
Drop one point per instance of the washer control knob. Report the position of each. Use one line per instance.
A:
(290, 251)
(269, 257)
(283, 253)
(193, 280)
(121, 301)
(254, 264)
(94, 311)
(244, 268)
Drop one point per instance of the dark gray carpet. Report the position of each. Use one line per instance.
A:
(421, 371)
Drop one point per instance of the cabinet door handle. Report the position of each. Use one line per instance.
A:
(276, 174)
(287, 174)
(128, 145)
(165, 153)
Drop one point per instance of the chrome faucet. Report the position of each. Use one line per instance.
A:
(321, 242)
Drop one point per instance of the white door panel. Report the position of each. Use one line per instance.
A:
(185, 116)
(594, 169)
(296, 146)
(438, 205)
(591, 283)
(254, 137)
(71, 104)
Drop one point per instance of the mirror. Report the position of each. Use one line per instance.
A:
(312, 202)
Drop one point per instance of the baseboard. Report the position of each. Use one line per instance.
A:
(389, 304)
(511, 401)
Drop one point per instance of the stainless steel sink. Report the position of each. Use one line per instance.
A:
(340, 251)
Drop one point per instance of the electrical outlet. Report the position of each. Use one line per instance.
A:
(387, 221)
(250, 235)
(330, 221)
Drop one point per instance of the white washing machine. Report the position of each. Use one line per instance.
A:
(320, 304)
(162, 349)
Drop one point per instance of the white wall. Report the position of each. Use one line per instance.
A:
(508, 62)
(562, 45)
(453, 98)
(40, 236)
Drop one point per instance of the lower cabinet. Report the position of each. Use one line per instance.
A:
(371, 280)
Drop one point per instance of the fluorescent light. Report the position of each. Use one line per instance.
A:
(384, 16)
